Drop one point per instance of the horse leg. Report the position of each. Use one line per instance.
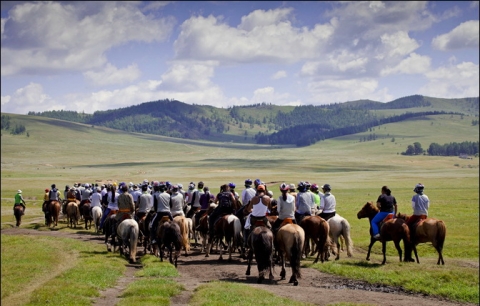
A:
(249, 259)
(338, 248)
(399, 249)
(384, 250)
(372, 241)
(282, 259)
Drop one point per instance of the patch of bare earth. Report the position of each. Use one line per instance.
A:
(314, 286)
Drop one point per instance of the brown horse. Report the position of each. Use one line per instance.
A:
(392, 229)
(54, 211)
(182, 224)
(260, 243)
(18, 213)
(85, 211)
(73, 214)
(428, 230)
(290, 239)
(170, 238)
(318, 229)
(227, 226)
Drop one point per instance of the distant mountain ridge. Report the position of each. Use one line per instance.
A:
(265, 123)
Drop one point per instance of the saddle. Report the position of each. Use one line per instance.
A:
(112, 212)
(388, 217)
(286, 221)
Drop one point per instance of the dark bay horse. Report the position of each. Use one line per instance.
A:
(18, 213)
(427, 230)
(170, 238)
(85, 212)
(391, 230)
(54, 211)
(317, 229)
(260, 243)
(290, 239)
(230, 228)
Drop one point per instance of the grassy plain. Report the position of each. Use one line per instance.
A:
(63, 153)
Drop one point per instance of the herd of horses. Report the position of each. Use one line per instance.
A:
(291, 243)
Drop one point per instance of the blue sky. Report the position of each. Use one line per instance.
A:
(88, 56)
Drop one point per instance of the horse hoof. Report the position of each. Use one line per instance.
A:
(295, 283)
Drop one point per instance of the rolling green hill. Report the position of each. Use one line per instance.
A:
(266, 123)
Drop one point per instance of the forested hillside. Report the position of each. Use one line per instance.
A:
(265, 123)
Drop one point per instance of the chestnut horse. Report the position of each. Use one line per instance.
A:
(428, 230)
(73, 214)
(392, 229)
(18, 213)
(227, 226)
(339, 227)
(290, 239)
(54, 209)
(318, 229)
(260, 243)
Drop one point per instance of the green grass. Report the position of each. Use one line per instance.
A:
(155, 285)
(80, 270)
(355, 170)
(225, 293)
(455, 282)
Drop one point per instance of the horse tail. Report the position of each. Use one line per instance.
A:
(296, 255)
(346, 236)
(184, 228)
(133, 241)
(263, 247)
(441, 233)
(237, 230)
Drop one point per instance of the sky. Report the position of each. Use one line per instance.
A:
(90, 56)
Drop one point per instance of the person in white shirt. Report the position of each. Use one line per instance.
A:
(327, 203)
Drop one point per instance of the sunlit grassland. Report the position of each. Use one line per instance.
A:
(356, 171)
(37, 270)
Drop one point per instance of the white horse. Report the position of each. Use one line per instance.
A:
(97, 216)
(190, 227)
(127, 233)
(339, 227)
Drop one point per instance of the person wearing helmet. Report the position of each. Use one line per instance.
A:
(53, 195)
(257, 182)
(205, 199)
(67, 189)
(387, 205)
(327, 203)
(95, 199)
(126, 206)
(189, 194)
(112, 207)
(86, 193)
(232, 190)
(257, 208)
(136, 193)
(285, 207)
(248, 193)
(176, 201)
(303, 202)
(317, 196)
(181, 191)
(195, 201)
(292, 189)
(161, 207)
(19, 201)
(420, 205)
(225, 200)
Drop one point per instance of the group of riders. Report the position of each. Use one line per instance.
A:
(163, 199)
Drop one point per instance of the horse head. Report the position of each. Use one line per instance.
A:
(368, 210)
(402, 216)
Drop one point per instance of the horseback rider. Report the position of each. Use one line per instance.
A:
(86, 193)
(285, 207)
(232, 190)
(258, 207)
(195, 201)
(145, 201)
(95, 199)
(225, 200)
(248, 193)
(71, 197)
(420, 205)
(19, 200)
(205, 199)
(327, 203)
(317, 195)
(126, 206)
(112, 199)
(176, 202)
(162, 208)
(303, 202)
(53, 195)
(387, 205)
(292, 190)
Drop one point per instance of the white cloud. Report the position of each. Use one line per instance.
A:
(40, 37)
(266, 95)
(453, 81)
(111, 75)
(414, 64)
(29, 98)
(279, 75)
(187, 76)
(329, 91)
(398, 43)
(263, 36)
(466, 35)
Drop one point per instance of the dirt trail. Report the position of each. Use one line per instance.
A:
(314, 286)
